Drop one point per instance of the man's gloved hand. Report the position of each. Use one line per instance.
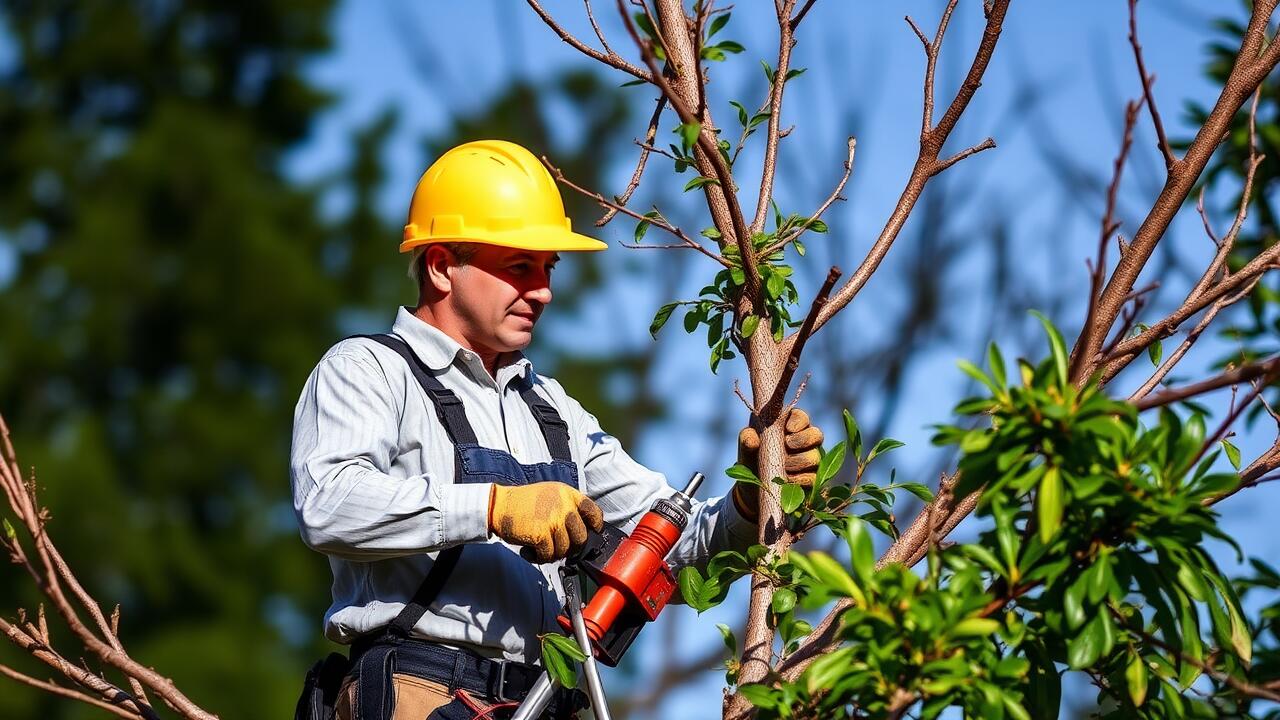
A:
(551, 518)
(802, 440)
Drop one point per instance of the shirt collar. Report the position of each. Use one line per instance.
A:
(438, 351)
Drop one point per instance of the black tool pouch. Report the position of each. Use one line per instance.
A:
(320, 689)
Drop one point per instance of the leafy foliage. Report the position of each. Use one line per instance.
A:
(1094, 561)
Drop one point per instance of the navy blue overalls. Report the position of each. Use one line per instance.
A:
(394, 651)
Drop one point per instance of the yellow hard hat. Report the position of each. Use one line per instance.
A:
(493, 192)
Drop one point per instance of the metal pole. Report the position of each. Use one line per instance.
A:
(537, 700)
(572, 593)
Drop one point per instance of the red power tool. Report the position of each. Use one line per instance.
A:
(634, 581)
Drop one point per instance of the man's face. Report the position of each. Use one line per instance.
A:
(500, 294)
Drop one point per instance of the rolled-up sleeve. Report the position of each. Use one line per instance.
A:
(345, 434)
(624, 489)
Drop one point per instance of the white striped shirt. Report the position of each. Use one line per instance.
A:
(373, 489)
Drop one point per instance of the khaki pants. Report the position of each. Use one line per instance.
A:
(416, 699)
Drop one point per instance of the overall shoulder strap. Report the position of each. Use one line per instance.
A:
(555, 431)
(448, 407)
(454, 418)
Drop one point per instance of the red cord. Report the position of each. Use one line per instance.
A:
(481, 712)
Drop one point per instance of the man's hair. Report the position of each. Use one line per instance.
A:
(463, 252)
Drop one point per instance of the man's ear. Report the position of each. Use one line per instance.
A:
(437, 261)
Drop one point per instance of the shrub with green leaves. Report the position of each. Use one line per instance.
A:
(1093, 560)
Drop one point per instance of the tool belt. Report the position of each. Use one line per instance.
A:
(374, 660)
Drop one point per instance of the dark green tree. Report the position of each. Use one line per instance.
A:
(168, 294)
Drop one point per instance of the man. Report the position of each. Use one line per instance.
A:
(425, 460)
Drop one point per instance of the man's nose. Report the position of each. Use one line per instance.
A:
(540, 293)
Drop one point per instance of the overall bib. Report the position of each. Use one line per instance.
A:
(481, 688)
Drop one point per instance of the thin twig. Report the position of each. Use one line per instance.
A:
(646, 147)
(1147, 81)
(610, 58)
(1266, 370)
(685, 240)
(835, 195)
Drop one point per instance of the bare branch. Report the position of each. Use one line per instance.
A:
(609, 58)
(594, 26)
(835, 195)
(1246, 74)
(645, 148)
(944, 164)
(1266, 371)
(931, 143)
(1147, 81)
(770, 165)
(1109, 224)
(55, 689)
(804, 10)
(658, 222)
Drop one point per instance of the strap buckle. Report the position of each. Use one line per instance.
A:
(444, 396)
(514, 681)
(547, 415)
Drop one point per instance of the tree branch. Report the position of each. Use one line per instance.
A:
(1147, 81)
(609, 58)
(926, 166)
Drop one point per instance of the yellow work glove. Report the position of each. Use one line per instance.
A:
(802, 440)
(551, 518)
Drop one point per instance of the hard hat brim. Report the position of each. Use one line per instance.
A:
(539, 239)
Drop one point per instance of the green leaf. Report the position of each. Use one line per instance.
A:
(567, 646)
(831, 461)
(641, 228)
(729, 46)
(1233, 453)
(861, 551)
(792, 497)
(742, 473)
(688, 133)
(9, 532)
(827, 670)
(768, 71)
(762, 696)
(1135, 676)
(1049, 505)
(555, 662)
(975, 627)
(775, 285)
(664, 314)
(691, 585)
(730, 641)
(717, 23)
(853, 434)
(699, 181)
(1057, 346)
(1073, 603)
(1084, 649)
(884, 446)
(797, 72)
(920, 490)
(749, 325)
(817, 226)
(784, 599)
(996, 363)
(831, 574)
(1155, 351)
